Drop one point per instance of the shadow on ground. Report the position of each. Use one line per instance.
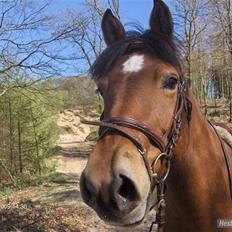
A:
(40, 218)
(69, 195)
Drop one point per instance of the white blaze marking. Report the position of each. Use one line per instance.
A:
(134, 64)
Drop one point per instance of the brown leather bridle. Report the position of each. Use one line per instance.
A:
(117, 124)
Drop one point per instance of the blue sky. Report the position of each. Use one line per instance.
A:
(136, 11)
(130, 10)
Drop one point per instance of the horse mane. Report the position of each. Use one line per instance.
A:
(156, 44)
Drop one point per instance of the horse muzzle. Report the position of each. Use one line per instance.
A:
(118, 202)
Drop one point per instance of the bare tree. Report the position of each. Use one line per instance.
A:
(223, 9)
(30, 43)
(222, 55)
(87, 40)
(189, 23)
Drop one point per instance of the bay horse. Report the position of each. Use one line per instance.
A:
(155, 147)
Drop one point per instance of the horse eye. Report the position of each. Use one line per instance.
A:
(170, 83)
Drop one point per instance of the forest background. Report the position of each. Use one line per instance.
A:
(45, 55)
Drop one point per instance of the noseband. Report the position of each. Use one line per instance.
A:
(118, 125)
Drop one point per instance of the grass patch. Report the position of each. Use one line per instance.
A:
(56, 177)
(50, 175)
(6, 192)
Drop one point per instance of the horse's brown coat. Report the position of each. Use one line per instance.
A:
(198, 186)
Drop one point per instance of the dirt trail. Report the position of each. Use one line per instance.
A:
(72, 159)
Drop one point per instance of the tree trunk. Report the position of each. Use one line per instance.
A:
(230, 99)
(36, 141)
(11, 135)
(20, 145)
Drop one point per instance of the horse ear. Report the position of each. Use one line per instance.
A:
(112, 28)
(161, 19)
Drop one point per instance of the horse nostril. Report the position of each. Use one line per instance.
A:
(126, 195)
(127, 189)
(88, 192)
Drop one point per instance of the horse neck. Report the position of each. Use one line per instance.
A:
(196, 174)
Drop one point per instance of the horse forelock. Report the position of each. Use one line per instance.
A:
(157, 45)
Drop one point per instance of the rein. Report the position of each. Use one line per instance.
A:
(117, 124)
